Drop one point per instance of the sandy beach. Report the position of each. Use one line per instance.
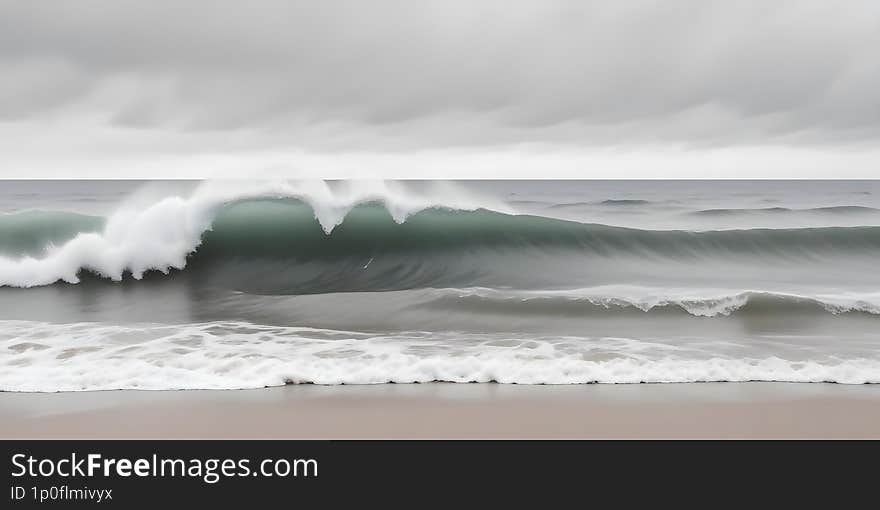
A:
(643, 411)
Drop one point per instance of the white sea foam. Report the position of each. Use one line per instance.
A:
(38, 356)
(158, 233)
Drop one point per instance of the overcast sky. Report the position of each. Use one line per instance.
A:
(470, 88)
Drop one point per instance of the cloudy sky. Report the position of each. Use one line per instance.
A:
(451, 88)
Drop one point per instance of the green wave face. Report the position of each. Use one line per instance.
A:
(29, 233)
(289, 229)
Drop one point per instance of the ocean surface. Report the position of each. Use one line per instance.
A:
(234, 284)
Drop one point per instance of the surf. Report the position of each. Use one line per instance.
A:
(234, 355)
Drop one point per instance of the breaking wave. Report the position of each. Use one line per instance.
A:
(353, 227)
(578, 302)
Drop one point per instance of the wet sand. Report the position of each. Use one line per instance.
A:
(693, 410)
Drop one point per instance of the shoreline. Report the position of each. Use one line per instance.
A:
(453, 411)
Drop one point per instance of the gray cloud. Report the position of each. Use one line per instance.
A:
(409, 74)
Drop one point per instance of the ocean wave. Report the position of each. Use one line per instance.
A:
(161, 234)
(836, 209)
(350, 227)
(718, 303)
(624, 202)
(226, 355)
(612, 202)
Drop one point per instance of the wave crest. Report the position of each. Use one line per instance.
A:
(601, 300)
